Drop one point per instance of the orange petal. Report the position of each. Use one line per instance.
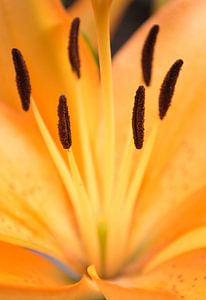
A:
(43, 42)
(184, 276)
(34, 206)
(187, 216)
(21, 267)
(194, 239)
(24, 275)
(121, 291)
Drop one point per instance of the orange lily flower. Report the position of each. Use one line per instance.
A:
(101, 219)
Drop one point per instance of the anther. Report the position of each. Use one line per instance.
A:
(64, 123)
(22, 78)
(148, 53)
(138, 117)
(168, 88)
(73, 48)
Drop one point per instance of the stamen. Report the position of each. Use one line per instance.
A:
(82, 207)
(148, 53)
(64, 123)
(138, 117)
(89, 167)
(73, 49)
(136, 183)
(22, 78)
(168, 88)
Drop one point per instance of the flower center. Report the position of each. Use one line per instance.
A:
(103, 210)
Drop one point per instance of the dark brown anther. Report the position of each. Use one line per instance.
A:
(22, 78)
(168, 88)
(148, 53)
(138, 117)
(64, 123)
(73, 48)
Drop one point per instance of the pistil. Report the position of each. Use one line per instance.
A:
(102, 17)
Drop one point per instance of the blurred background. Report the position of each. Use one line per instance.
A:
(135, 14)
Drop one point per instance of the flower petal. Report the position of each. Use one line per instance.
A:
(184, 276)
(24, 275)
(194, 239)
(21, 267)
(112, 290)
(34, 207)
(192, 210)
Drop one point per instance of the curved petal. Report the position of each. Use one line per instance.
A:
(34, 207)
(24, 275)
(21, 267)
(187, 216)
(40, 31)
(182, 277)
(122, 291)
(194, 239)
